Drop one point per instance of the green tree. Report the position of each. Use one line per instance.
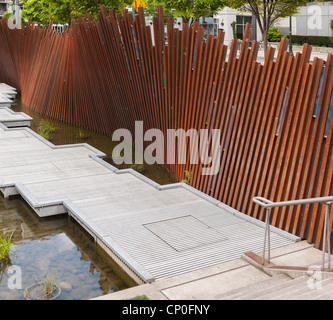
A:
(186, 9)
(267, 11)
(43, 11)
(63, 11)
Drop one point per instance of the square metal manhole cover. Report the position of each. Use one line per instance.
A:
(185, 233)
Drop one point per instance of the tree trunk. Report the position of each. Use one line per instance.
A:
(264, 38)
(185, 20)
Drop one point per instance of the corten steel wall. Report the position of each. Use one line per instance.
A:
(105, 75)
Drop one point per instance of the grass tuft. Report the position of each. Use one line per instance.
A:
(139, 298)
(5, 246)
(45, 128)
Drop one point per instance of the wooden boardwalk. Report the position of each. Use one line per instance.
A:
(156, 231)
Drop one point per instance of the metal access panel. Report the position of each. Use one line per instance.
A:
(185, 233)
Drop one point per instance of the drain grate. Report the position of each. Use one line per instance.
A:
(185, 233)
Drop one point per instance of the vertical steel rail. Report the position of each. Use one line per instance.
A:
(268, 235)
(326, 233)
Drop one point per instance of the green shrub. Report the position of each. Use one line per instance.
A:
(274, 35)
(320, 41)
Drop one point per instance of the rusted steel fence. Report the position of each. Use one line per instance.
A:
(274, 118)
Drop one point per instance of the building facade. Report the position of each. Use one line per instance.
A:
(312, 19)
(4, 4)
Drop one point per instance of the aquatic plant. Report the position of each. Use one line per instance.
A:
(138, 167)
(81, 134)
(188, 175)
(5, 245)
(45, 128)
(45, 290)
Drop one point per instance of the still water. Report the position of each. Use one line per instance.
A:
(58, 247)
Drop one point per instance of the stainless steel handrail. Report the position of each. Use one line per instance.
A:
(267, 204)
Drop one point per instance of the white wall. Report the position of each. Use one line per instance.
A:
(227, 16)
(314, 19)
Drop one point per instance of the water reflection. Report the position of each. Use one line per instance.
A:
(56, 247)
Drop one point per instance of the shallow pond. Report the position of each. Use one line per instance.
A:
(54, 247)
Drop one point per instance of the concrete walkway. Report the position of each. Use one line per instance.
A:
(13, 119)
(242, 279)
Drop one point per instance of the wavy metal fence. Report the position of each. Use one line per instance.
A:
(274, 118)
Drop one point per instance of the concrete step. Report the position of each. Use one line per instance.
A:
(265, 284)
(304, 289)
(328, 295)
(261, 293)
(322, 290)
(297, 285)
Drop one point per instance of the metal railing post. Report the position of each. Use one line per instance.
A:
(326, 233)
(267, 233)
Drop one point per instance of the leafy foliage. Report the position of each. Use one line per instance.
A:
(187, 9)
(319, 41)
(274, 35)
(188, 175)
(63, 11)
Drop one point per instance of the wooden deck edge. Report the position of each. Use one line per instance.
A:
(295, 268)
(255, 259)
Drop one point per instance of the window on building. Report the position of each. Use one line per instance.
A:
(3, 7)
(241, 22)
